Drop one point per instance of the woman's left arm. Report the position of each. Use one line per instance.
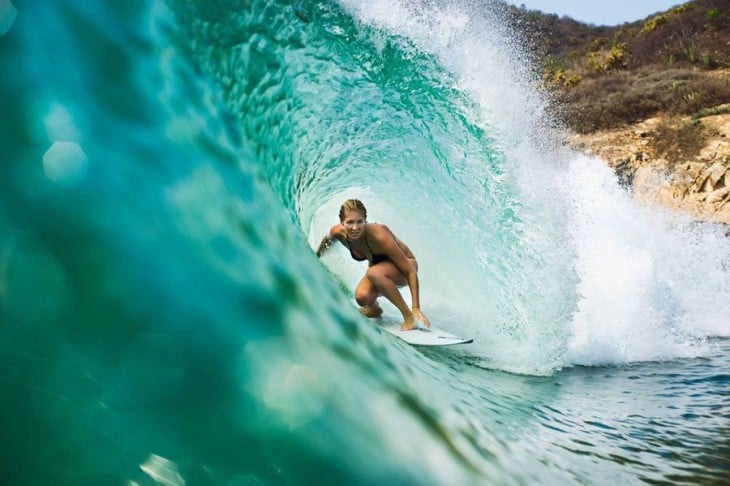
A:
(387, 243)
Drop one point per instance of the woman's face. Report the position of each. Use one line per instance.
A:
(354, 224)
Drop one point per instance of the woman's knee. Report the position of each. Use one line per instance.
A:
(379, 275)
(375, 274)
(364, 298)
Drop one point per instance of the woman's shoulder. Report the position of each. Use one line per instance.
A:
(378, 230)
(378, 226)
(337, 231)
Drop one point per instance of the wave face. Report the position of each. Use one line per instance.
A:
(168, 167)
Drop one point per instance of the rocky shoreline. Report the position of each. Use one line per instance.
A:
(651, 98)
(694, 183)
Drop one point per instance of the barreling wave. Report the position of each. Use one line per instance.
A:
(162, 198)
(334, 106)
(420, 110)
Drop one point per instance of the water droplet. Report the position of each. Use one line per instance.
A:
(59, 123)
(65, 163)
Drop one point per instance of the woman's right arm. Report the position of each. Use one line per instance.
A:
(324, 245)
(327, 241)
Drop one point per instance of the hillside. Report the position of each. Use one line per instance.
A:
(651, 97)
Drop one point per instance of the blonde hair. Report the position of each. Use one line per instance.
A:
(353, 205)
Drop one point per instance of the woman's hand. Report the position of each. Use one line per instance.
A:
(410, 321)
(324, 245)
(420, 316)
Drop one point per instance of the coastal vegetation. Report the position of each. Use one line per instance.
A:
(650, 97)
(601, 77)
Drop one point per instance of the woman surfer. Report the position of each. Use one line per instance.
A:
(391, 264)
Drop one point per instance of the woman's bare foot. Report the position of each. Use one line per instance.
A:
(371, 310)
(409, 324)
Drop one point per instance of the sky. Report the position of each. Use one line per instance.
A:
(613, 12)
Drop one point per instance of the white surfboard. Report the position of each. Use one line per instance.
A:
(422, 336)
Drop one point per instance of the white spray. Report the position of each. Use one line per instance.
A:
(608, 281)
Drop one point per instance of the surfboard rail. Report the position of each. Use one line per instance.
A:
(424, 337)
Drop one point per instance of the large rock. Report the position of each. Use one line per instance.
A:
(695, 183)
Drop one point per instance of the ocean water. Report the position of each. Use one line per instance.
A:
(167, 167)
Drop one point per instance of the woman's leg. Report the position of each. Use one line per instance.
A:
(366, 296)
(384, 279)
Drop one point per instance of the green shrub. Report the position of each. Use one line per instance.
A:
(712, 14)
(619, 98)
(594, 61)
(715, 110)
(598, 43)
(708, 61)
(653, 23)
(682, 8)
(689, 50)
(616, 56)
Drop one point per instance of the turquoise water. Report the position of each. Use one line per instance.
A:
(167, 167)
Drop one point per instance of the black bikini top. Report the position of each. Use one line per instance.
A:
(376, 258)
